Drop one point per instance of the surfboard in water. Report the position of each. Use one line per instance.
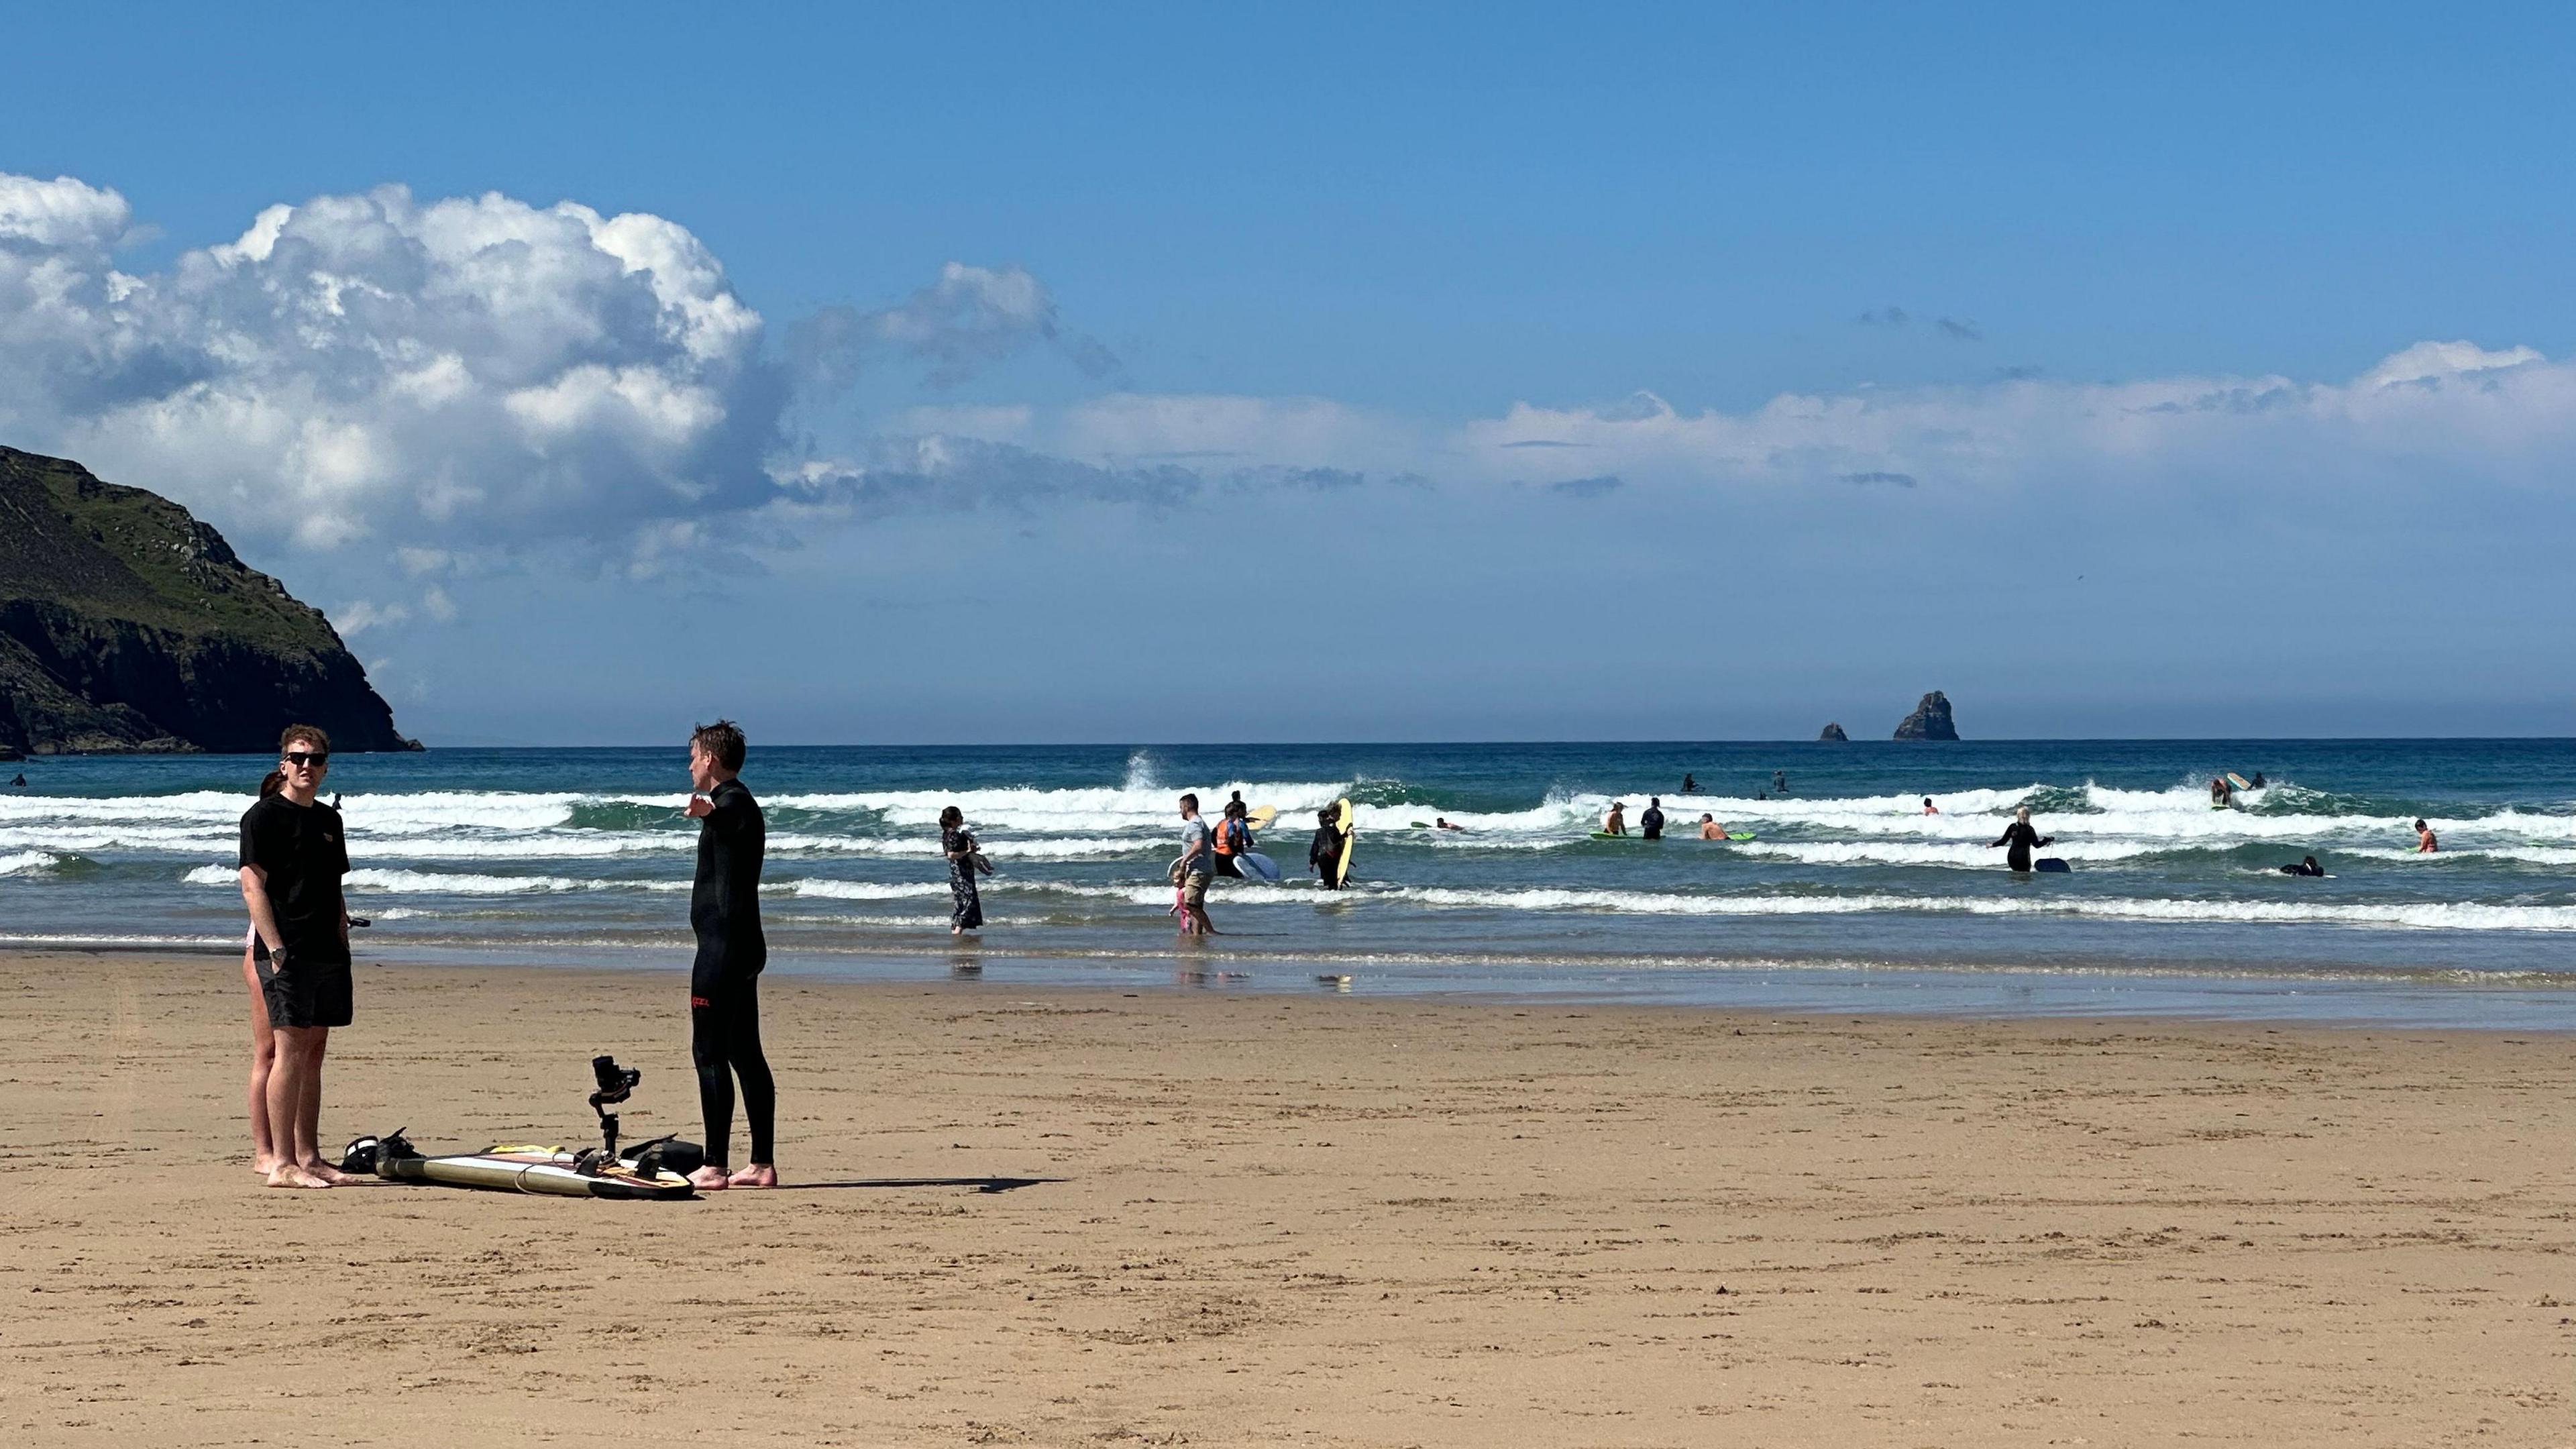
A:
(1258, 866)
(2239, 781)
(2050, 866)
(1342, 823)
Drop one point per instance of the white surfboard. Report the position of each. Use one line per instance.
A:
(1258, 866)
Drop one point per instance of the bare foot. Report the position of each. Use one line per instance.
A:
(331, 1176)
(759, 1174)
(709, 1179)
(263, 1165)
(287, 1174)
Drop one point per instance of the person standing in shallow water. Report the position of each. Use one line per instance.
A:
(965, 903)
(1197, 863)
(1324, 852)
(724, 981)
(2020, 837)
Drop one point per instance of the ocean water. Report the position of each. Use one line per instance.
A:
(1849, 897)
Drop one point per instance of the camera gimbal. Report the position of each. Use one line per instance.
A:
(616, 1084)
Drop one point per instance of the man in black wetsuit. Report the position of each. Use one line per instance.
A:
(724, 983)
(2021, 838)
(1652, 822)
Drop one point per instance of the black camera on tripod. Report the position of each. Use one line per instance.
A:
(616, 1083)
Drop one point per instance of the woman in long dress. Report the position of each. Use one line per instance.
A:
(965, 903)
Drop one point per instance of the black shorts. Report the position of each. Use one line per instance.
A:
(307, 992)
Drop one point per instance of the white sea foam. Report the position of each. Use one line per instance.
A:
(1972, 855)
(1080, 810)
(858, 890)
(427, 882)
(2425, 915)
(27, 862)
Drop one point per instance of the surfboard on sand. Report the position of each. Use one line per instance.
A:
(2050, 866)
(551, 1171)
(1257, 866)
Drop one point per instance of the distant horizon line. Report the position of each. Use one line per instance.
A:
(1133, 744)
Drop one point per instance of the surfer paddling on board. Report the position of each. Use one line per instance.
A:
(2020, 837)
(724, 981)
(293, 853)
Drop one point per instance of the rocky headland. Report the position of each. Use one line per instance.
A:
(127, 625)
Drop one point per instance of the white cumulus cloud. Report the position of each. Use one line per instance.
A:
(468, 370)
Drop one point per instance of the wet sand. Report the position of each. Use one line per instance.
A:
(1312, 1220)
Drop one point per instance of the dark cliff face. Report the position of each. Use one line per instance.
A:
(1833, 734)
(1930, 720)
(126, 624)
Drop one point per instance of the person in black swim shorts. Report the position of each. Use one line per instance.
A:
(724, 982)
(293, 853)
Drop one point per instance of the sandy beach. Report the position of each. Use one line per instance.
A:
(1036, 1216)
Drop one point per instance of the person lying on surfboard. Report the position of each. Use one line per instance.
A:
(1441, 822)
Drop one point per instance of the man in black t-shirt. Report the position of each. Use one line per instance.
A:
(724, 981)
(293, 853)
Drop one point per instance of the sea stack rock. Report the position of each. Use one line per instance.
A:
(1834, 733)
(128, 626)
(1930, 720)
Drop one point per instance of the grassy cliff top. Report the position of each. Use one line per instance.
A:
(69, 539)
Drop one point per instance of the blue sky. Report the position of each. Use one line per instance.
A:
(1027, 374)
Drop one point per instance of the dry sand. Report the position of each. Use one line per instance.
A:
(1324, 1220)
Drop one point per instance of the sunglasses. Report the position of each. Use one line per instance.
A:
(302, 758)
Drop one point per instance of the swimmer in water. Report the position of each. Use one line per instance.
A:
(2425, 844)
(1709, 829)
(1441, 822)
(1616, 822)
(1929, 808)
(2021, 837)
